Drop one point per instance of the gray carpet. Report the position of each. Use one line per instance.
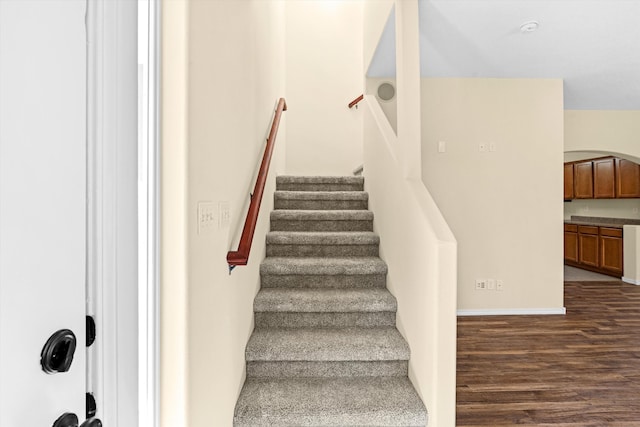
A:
(325, 350)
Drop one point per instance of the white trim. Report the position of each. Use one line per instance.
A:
(511, 311)
(631, 281)
(148, 212)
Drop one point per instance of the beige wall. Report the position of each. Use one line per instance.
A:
(614, 208)
(504, 207)
(236, 75)
(173, 227)
(606, 132)
(324, 74)
(631, 252)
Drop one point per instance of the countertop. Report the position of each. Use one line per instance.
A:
(601, 221)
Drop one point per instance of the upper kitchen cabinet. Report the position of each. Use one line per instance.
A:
(604, 178)
(568, 181)
(627, 179)
(583, 180)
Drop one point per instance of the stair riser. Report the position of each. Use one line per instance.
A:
(392, 368)
(324, 281)
(317, 225)
(319, 187)
(324, 320)
(314, 251)
(320, 204)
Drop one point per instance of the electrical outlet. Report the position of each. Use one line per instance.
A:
(207, 216)
(491, 284)
(499, 285)
(224, 214)
(481, 284)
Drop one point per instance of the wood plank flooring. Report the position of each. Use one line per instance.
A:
(581, 369)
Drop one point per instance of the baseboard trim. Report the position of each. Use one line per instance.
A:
(512, 311)
(631, 281)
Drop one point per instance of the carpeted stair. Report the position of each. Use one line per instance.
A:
(325, 350)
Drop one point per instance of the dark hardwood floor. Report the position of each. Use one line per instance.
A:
(581, 369)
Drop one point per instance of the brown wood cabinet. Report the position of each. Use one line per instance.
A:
(611, 249)
(594, 248)
(604, 178)
(571, 243)
(588, 253)
(627, 179)
(568, 181)
(583, 180)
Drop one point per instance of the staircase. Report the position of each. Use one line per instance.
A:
(325, 350)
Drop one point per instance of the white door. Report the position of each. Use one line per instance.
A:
(42, 206)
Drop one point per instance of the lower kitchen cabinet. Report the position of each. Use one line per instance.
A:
(588, 252)
(611, 250)
(594, 248)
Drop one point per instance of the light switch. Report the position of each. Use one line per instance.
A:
(442, 146)
(207, 216)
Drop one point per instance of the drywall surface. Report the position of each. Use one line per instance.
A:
(504, 202)
(420, 252)
(631, 250)
(606, 132)
(607, 208)
(173, 227)
(324, 73)
(236, 76)
(376, 14)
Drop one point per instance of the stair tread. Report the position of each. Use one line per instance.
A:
(380, 401)
(323, 266)
(324, 215)
(327, 344)
(310, 300)
(319, 179)
(321, 195)
(323, 238)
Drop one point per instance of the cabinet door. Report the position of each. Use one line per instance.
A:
(627, 179)
(583, 180)
(588, 248)
(568, 181)
(611, 249)
(604, 179)
(571, 246)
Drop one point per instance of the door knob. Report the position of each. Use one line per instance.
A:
(57, 353)
(66, 420)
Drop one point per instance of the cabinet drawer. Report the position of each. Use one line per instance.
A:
(571, 227)
(587, 229)
(612, 232)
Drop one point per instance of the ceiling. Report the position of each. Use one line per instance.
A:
(593, 45)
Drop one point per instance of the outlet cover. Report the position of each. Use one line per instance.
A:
(482, 147)
(499, 285)
(224, 214)
(207, 216)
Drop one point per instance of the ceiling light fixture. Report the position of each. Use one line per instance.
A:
(529, 27)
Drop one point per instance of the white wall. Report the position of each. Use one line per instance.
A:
(606, 132)
(173, 227)
(236, 75)
(504, 207)
(324, 73)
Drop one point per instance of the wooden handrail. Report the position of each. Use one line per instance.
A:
(355, 101)
(241, 256)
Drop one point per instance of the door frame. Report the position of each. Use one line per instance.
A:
(149, 212)
(123, 195)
